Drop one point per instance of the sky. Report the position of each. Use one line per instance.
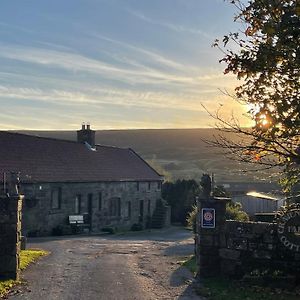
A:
(117, 64)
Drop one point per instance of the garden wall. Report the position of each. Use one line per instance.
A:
(250, 245)
(233, 248)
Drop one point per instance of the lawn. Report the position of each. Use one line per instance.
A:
(26, 258)
(225, 289)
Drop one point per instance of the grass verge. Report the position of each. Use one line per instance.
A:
(29, 256)
(26, 258)
(191, 264)
(225, 289)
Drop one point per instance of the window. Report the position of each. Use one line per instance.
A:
(78, 204)
(149, 206)
(114, 207)
(119, 207)
(100, 201)
(142, 208)
(149, 186)
(56, 198)
(159, 185)
(90, 204)
(137, 186)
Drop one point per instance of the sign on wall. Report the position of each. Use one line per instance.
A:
(208, 218)
(289, 229)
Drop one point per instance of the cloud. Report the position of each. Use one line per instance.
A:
(74, 62)
(174, 27)
(107, 108)
(84, 94)
(167, 62)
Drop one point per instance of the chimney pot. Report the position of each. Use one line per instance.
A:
(86, 135)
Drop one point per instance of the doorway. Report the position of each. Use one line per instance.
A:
(90, 210)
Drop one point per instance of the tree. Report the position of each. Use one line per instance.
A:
(266, 57)
(181, 196)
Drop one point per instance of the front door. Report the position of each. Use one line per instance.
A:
(90, 210)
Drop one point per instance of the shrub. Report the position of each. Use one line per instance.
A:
(191, 218)
(234, 212)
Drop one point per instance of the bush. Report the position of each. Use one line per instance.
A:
(191, 218)
(234, 212)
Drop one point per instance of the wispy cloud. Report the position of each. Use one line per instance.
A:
(165, 61)
(137, 73)
(174, 27)
(100, 97)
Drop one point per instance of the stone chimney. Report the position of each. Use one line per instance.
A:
(85, 134)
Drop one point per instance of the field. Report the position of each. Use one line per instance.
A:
(176, 153)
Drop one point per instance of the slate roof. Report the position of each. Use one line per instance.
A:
(42, 159)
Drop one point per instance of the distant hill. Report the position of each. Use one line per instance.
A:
(177, 153)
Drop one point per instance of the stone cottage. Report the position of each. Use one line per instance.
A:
(109, 186)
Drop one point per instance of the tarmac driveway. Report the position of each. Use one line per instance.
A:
(141, 265)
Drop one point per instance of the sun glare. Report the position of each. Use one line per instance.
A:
(263, 121)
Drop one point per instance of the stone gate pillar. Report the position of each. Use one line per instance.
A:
(10, 236)
(210, 234)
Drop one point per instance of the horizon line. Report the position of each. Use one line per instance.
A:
(117, 129)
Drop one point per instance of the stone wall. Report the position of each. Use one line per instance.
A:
(40, 217)
(10, 236)
(234, 248)
(250, 245)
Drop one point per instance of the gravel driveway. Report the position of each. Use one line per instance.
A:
(142, 265)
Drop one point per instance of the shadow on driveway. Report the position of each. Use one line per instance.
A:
(172, 233)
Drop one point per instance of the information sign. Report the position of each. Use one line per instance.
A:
(208, 218)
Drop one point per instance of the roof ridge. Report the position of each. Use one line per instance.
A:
(37, 136)
(60, 140)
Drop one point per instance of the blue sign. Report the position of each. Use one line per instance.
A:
(208, 218)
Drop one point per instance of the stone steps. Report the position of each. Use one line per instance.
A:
(159, 215)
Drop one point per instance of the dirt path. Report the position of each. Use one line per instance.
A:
(133, 266)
